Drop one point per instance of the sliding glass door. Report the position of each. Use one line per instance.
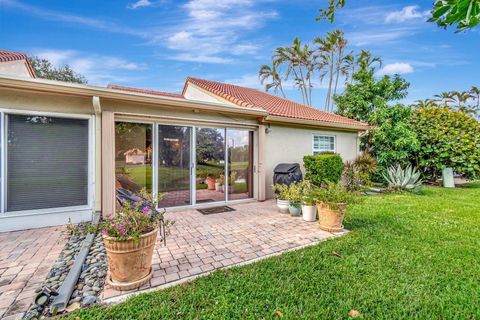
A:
(187, 165)
(210, 165)
(174, 165)
(240, 164)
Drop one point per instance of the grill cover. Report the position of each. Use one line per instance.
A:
(287, 173)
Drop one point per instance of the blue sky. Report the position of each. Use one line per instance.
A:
(157, 44)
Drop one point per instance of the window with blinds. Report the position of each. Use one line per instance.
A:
(47, 162)
(322, 143)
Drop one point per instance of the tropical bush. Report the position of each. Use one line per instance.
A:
(323, 168)
(354, 179)
(447, 139)
(400, 179)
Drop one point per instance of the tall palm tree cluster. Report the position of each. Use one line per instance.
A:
(467, 102)
(324, 59)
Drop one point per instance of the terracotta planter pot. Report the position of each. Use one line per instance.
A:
(331, 220)
(210, 183)
(130, 262)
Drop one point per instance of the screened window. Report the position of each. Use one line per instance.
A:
(322, 143)
(47, 162)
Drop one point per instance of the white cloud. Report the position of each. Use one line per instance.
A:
(395, 68)
(212, 30)
(98, 69)
(374, 37)
(139, 4)
(406, 14)
(247, 80)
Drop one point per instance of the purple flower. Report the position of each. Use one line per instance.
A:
(146, 210)
(105, 231)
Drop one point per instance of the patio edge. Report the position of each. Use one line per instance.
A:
(124, 297)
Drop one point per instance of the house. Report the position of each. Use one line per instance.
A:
(134, 156)
(63, 145)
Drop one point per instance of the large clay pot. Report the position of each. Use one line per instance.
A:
(331, 220)
(130, 261)
(210, 183)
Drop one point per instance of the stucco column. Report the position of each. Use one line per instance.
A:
(261, 163)
(108, 163)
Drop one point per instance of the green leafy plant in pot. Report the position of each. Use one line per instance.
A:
(294, 197)
(309, 209)
(281, 194)
(332, 200)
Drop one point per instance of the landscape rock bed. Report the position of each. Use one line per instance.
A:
(90, 283)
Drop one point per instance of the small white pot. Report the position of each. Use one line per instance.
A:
(309, 213)
(295, 210)
(283, 205)
(217, 186)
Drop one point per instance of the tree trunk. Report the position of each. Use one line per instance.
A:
(339, 58)
(330, 81)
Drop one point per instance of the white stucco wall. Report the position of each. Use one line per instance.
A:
(14, 68)
(194, 93)
(289, 145)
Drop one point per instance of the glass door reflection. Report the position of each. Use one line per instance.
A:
(240, 164)
(174, 165)
(210, 166)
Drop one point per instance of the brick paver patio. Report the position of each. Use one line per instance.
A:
(25, 260)
(201, 243)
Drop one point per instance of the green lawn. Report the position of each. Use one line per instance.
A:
(408, 256)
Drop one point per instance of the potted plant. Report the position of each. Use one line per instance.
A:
(281, 194)
(221, 181)
(332, 200)
(129, 237)
(295, 199)
(219, 184)
(210, 181)
(232, 178)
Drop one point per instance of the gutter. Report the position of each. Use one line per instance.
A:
(57, 87)
(316, 123)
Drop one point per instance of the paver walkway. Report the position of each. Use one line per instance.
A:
(201, 243)
(25, 260)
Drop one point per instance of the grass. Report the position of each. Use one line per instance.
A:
(408, 256)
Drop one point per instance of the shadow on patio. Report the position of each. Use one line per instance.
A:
(200, 243)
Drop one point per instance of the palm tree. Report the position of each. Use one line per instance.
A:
(349, 64)
(462, 98)
(475, 92)
(365, 60)
(445, 98)
(340, 65)
(426, 103)
(270, 72)
(299, 60)
(327, 48)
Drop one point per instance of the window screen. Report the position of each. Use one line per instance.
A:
(323, 143)
(47, 162)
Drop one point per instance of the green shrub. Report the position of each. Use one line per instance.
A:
(323, 168)
(448, 139)
(334, 194)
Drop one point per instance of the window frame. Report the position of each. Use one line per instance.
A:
(324, 135)
(90, 205)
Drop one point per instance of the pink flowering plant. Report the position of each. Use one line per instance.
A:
(133, 219)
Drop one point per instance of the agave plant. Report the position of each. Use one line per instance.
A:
(407, 179)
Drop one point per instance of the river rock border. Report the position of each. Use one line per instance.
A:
(90, 283)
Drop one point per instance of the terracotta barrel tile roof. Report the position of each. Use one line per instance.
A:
(154, 92)
(276, 106)
(12, 56)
